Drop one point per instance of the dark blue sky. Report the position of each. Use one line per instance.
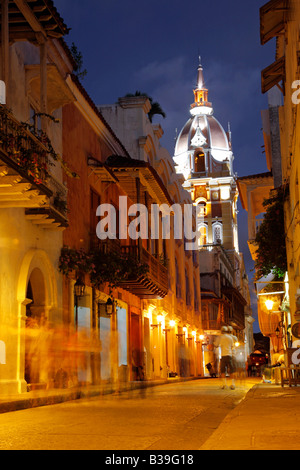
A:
(153, 46)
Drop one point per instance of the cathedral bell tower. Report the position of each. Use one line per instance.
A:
(203, 155)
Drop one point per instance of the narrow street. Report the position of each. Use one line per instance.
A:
(179, 416)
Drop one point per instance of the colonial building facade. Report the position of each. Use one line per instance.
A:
(278, 303)
(77, 309)
(32, 192)
(170, 327)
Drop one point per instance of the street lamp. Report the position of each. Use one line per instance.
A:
(79, 288)
(269, 304)
(79, 291)
(109, 306)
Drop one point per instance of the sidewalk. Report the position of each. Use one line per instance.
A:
(267, 419)
(54, 396)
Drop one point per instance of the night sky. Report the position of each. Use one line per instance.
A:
(153, 46)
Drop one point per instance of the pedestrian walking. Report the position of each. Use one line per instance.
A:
(226, 343)
(234, 352)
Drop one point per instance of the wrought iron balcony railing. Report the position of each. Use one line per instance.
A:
(21, 149)
(25, 180)
(155, 284)
(105, 246)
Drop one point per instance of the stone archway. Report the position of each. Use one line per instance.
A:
(36, 317)
(37, 299)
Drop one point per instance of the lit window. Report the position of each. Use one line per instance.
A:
(199, 162)
(203, 235)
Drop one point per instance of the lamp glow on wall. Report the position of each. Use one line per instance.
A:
(160, 319)
(172, 323)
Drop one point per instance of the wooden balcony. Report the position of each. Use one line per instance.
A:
(137, 177)
(24, 179)
(53, 214)
(105, 246)
(31, 19)
(211, 325)
(273, 16)
(155, 284)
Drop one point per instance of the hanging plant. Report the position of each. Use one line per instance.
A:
(104, 268)
(25, 150)
(116, 268)
(72, 260)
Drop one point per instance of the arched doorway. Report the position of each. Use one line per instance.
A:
(35, 322)
(37, 299)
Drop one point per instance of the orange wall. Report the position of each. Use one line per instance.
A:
(80, 142)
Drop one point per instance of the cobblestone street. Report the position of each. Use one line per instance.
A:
(178, 416)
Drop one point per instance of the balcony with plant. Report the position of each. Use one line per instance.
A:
(26, 158)
(110, 268)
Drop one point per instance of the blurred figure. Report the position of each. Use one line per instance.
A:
(44, 353)
(31, 351)
(248, 367)
(226, 343)
(61, 357)
(37, 352)
(211, 370)
(239, 369)
(137, 368)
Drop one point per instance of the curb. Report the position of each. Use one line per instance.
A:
(52, 397)
(222, 428)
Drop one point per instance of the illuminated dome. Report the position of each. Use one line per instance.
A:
(205, 132)
(203, 136)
